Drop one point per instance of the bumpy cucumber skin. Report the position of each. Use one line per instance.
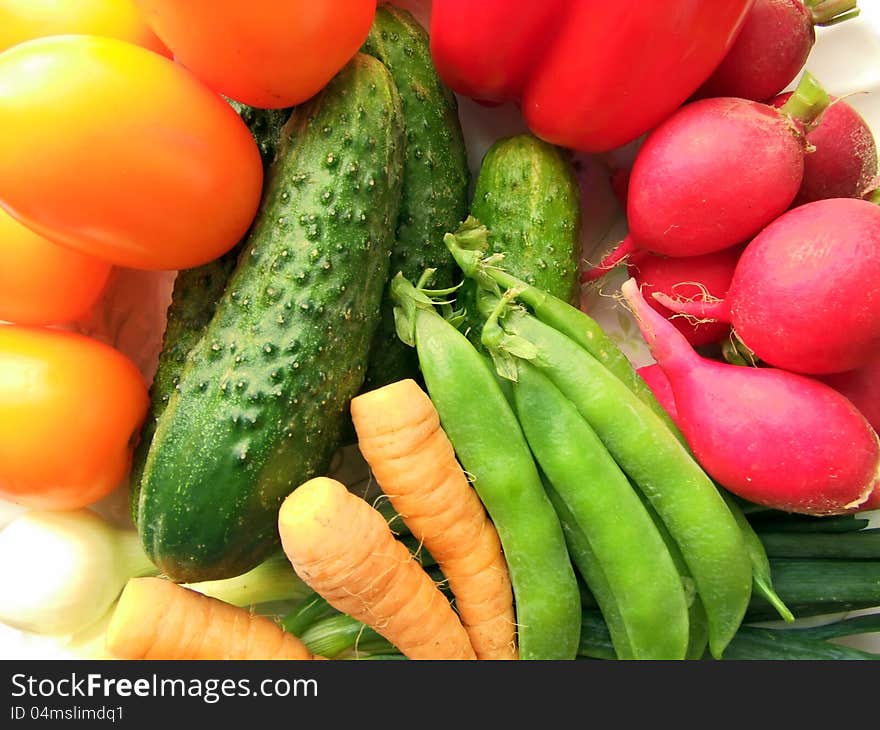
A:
(262, 398)
(436, 179)
(193, 302)
(527, 195)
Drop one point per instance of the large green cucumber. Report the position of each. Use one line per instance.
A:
(436, 179)
(264, 392)
(193, 302)
(527, 195)
(265, 126)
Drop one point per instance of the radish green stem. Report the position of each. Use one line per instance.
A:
(826, 13)
(807, 101)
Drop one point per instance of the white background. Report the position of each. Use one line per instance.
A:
(846, 60)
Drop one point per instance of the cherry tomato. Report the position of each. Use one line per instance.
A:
(42, 282)
(272, 54)
(123, 154)
(70, 411)
(23, 20)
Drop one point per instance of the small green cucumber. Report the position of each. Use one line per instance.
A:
(436, 178)
(193, 302)
(264, 392)
(527, 195)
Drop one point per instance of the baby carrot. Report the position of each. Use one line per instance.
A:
(413, 461)
(343, 548)
(156, 618)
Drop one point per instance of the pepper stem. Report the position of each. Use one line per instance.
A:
(808, 101)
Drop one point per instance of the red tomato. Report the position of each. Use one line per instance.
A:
(70, 411)
(272, 54)
(123, 154)
(41, 282)
(23, 20)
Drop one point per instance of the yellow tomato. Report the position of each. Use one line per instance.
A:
(24, 20)
(123, 154)
(70, 412)
(271, 54)
(41, 282)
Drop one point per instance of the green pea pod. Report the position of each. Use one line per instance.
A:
(685, 498)
(469, 247)
(697, 621)
(591, 571)
(624, 540)
(489, 442)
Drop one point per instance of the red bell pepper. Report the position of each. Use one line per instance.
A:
(591, 75)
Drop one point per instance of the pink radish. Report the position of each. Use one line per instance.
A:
(657, 381)
(772, 47)
(713, 175)
(805, 295)
(862, 387)
(772, 437)
(843, 163)
(688, 277)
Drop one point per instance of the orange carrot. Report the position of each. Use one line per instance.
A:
(158, 619)
(343, 548)
(413, 461)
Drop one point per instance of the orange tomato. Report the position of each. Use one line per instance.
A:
(123, 154)
(272, 54)
(23, 20)
(41, 282)
(70, 411)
